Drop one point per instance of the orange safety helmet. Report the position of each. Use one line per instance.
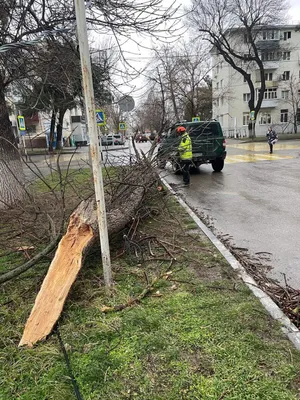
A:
(181, 129)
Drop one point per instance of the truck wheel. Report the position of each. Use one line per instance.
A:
(218, 164)
(176, 167)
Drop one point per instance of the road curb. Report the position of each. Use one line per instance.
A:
(290, 330)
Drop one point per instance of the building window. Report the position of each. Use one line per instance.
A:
(270, 94)
(75, 118)
(265, 118)
(286, 76)
(284, 94)
(222, 100)
(287, 35)
(247, 56)
(221, 83)
(217, 85)
(268, 76)
(270, 55)
(246, 97)
(283, 115)
(246, 118)
(286, 55)
(298, 115)
(270, 35)
(249, 76)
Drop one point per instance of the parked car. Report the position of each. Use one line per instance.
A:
(141, 138)
(208, 142)
(107, 140)
(118, 139)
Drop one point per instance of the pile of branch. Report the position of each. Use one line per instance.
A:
(123, 201)
(286, 297)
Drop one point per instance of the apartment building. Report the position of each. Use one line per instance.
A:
(279, 49)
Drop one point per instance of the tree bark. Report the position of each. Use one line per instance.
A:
(11, 169)
(52, 129)
(59, 128)
(81, 234)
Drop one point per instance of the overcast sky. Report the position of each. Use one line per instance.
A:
(139, 56)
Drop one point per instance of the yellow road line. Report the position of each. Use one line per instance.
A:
(255, 157)
(264, 146)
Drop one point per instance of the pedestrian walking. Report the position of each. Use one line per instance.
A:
(272, 138)
(185, 153)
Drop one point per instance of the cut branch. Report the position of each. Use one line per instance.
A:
(81, 234)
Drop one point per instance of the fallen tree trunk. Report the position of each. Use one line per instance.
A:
(69, 257)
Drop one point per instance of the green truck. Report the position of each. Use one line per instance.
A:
(208, 141)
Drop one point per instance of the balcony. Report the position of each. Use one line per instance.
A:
(269, 103)
(269, 44)
(269, 84)
(271, 64)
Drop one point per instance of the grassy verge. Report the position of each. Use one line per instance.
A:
(200, 334)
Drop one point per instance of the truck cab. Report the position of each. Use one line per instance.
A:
(208, 145)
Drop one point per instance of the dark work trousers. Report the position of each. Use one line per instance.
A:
(185, 168)
(271, 147)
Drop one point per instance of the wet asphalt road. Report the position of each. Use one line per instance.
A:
(255, 199)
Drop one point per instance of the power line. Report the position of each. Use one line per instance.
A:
(23, 45)
(167, 56)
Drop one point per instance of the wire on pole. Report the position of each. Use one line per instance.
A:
(43, 35)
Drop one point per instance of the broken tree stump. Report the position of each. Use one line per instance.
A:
(62, 273)
(69, 257)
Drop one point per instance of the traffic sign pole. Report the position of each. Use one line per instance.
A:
(126, 103)
(21, 131)
(87, 84)
(252, 116)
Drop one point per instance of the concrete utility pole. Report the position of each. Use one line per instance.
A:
(88, 90)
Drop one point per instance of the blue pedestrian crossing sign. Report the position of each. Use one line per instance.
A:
(196, 119)
(122, 126)
(21, 123)
(100, 117)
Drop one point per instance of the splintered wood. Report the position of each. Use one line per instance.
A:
(69, 257)
(58, 281)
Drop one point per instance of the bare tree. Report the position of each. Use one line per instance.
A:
(294, 101)
(21, 22)
(234, 29)
(194, 86)
(178, 86)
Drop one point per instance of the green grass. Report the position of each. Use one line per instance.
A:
(55, 181)
(205, 338)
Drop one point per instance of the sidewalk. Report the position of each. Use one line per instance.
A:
(282, 137)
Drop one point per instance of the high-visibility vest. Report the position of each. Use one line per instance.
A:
(185, 147)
